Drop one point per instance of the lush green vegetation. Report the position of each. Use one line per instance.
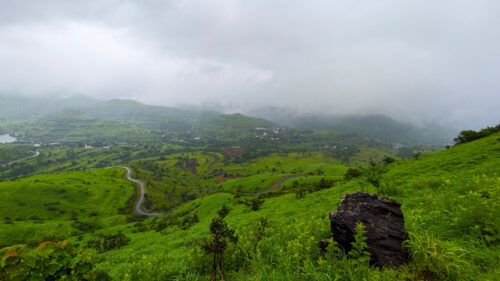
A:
(450, 200)
(12, 152)
(57, 206)
(48, 261)
(470, 135)
(244, 198)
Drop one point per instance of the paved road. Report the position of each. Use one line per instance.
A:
(143, 191)
(22, 159)
(274, 186)
(141, 198)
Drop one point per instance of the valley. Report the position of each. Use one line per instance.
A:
(141, 199)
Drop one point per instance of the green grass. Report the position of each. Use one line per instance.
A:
(450, 199)
(251, 184)
(44, 205)
(443, 242)
(11, 152)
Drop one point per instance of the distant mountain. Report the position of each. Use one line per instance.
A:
(80, 118)
(75, 125)
(148, 116)
(19, 108)
(373, 126)
(201, 121)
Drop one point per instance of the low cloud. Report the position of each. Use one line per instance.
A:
(420, 61)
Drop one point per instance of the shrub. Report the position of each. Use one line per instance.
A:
(113, 241)
(388, 160)
(254, 203)
(220, 236)
(439, 259)
(189, 221)
(389, 189)
(359, 246)
(471, 135)
(48, 261)
(352, 173)
(86, 226)
(466, 136)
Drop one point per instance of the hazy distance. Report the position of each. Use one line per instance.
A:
(419, 61)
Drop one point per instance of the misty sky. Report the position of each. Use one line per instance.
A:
(416, 60)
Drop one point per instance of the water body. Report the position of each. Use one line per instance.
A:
(7, 138)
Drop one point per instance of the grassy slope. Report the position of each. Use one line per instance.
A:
(166, 181)
(441, 242)
(43, 205)
(10, 152)
(450, 200)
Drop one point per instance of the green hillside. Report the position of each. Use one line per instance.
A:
(74, 125)
(159, 118)
(450, 199)
(373, 126)
(57, 206)
(17, 108)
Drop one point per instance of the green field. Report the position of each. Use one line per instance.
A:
(48, 205)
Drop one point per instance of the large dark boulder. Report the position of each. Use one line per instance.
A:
(384, 223)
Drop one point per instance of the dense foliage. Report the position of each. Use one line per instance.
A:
(470, 135)
(48, 261)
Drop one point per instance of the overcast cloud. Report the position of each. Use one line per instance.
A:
(415, 60)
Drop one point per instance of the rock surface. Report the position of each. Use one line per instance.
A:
(384, 223)
(323, 245)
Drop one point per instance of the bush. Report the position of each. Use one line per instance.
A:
(352, 173)
(48, 261)
(471, 135)
(254, 203)
(108, 242)
(388, 160)
(86, 226)
(188, 221)
(439, 259)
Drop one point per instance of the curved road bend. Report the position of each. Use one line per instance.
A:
(143, 191)
(141, 198)
(22, 159)
(274, 186)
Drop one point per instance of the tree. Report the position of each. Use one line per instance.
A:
(388, 160)
(352, 173)
(220, 237)
(470, 135)
(466, 136)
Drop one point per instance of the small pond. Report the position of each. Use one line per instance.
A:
(7, 138)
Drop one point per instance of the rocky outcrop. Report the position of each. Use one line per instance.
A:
(384, 223)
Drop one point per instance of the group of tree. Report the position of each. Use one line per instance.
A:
(470, 135)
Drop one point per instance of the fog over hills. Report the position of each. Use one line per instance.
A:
(174, 118)
(421, 62)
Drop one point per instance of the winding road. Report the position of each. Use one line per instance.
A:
(139, 211)
(141, 198)
(22, 159)
(274, 186)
